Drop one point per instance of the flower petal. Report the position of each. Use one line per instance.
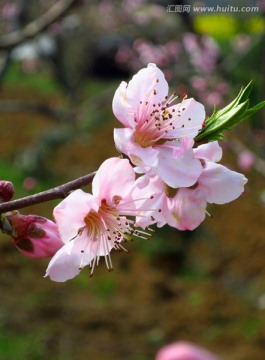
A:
(64, 265)
(115, 177)
(70, 213)
(151, 190)
(143, 84)
(178, 172)
(139, 156)
(211, 151)
(69, 260)
(186, 211)
(123, 138)
(147, 86)
(123, 110)
(220, 184)
(188, 118)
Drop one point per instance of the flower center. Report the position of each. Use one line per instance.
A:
(156, 121)
(106, 230)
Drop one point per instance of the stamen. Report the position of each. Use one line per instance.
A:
(209, 214)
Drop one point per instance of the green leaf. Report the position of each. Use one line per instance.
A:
(229, 116)
(253, 110)
(223, 122)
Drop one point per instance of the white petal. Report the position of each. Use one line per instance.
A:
(220, 184)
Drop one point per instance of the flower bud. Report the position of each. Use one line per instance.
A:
(184, 350)
(6, 190)
(35, 236)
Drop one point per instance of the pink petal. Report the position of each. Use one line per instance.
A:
(151, 190)
(115, 177)
(70, 213)
(178, 172)
(66, 263)
(123, 111)
(186, 209)
(211, 151)
(189, 116)
(143, 84)
(220, 184)
(142, 87)
(123, 138)
(138, 155)
(63, 266)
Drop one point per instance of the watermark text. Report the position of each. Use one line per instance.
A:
(211, 9)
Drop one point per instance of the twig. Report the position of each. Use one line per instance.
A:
(8, 41)
(59, 192)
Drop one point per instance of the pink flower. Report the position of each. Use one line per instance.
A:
(246, 160)
(184, 350)
(185, 208)
(92, 225)
(35, 236)
(158, 136)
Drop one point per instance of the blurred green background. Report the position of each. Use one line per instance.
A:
(206, 286)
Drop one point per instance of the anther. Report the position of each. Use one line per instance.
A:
(184, 96)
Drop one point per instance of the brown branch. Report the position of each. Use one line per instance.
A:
(8, 41)
(59, 192)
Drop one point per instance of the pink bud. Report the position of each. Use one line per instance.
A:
(35, 236)
(6, 190)
(183, 350)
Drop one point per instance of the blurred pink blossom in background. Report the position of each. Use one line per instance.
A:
(246, 160)
(184, 350)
